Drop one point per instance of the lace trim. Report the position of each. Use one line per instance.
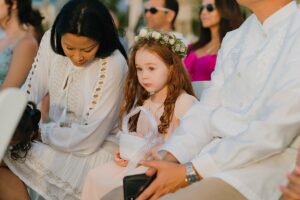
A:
(34, 180)
(32, 176)
(31, 73)
(98, 89)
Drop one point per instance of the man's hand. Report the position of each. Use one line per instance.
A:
(170, 177)
(292, 190)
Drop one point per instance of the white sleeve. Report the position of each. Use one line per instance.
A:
(36, 84)
(186, 142)
(84, 139)
(270, 133)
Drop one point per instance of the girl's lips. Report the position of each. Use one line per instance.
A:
(147, 84)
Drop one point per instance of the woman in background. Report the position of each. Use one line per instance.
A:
(217, 17)
(18, 46)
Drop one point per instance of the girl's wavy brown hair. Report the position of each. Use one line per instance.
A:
(135, 94)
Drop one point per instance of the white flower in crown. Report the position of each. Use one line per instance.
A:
(165, 38)
(143, 32)
(182, 49)
(136, 38)
(171, 41)
(177, 47)
(156, 35)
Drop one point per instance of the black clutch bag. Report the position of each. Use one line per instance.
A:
(134, 185)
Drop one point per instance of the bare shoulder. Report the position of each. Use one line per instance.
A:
(27, 43)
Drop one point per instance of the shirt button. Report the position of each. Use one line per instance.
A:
(239, 74)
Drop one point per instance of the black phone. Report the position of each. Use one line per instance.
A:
(134, 185)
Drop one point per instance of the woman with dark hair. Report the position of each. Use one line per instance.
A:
(18, 47)
(81, 64)
(217, 17)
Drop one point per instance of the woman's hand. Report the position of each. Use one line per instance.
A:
(118, 160)
(292, 190)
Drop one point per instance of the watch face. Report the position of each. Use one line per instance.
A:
(191, 175)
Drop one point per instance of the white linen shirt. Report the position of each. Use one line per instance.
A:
(241, 128)
(84, 101)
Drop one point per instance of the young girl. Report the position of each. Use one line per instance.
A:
(156, 80)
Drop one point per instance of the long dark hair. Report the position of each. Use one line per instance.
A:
(135, 94)
(26, 14)
(26, 131)
(89, 18)
(231, 18)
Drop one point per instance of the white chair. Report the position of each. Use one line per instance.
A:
(199, 86)
(12, 104)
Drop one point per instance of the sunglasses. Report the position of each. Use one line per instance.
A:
(154, 10)
(209, 7)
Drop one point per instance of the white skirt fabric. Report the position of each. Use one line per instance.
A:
(57, 175)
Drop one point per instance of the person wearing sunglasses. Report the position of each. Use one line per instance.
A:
(242, 137)
(217, 17)
(160, 15)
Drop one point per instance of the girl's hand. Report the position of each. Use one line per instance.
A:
(118, 160)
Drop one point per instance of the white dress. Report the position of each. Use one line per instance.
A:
(84, 105)
(104, 178)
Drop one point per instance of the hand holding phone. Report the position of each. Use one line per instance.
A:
(134, 185)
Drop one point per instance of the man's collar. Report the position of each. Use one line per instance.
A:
(279, 15)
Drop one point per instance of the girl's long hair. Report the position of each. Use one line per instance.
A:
(135, 94)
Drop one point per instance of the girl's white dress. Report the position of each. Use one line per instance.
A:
(104, 178)
(84, 105)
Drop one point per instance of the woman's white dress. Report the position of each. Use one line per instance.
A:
(84, 105)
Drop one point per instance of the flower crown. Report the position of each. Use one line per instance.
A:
(168, 39)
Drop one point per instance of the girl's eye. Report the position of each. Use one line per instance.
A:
(151, 68)
(138, 69)
(70, 48)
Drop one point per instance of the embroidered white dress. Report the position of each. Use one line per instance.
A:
(247, 118)
(84, 105)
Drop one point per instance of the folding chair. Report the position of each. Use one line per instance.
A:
(12, 104)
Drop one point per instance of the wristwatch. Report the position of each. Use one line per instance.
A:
(191, 175)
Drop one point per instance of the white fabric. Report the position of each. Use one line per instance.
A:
(12, 105)
(199, 87)
(84, 104)
(241, 129)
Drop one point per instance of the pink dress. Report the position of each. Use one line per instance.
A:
(104, 178)
(200, 68)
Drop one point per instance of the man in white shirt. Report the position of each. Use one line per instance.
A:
(239, 141)
(161, 15)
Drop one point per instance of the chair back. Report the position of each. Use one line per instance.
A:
(12, 104)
